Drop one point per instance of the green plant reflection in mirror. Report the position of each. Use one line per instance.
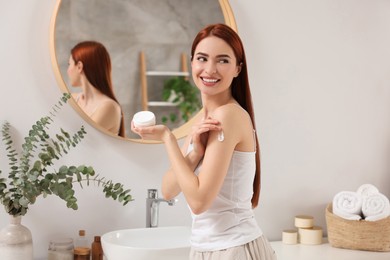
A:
(161, 29)
(180, 91)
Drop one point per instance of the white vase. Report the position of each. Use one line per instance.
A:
(16, 241)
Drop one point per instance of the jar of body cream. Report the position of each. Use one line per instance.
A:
(144, 118)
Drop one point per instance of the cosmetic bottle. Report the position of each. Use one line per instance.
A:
(144, 118)
(82, 250)
(97, 250)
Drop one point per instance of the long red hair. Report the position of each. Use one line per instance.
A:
(97, 68)
(240, 85)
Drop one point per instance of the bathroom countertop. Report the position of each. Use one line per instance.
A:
(319, 252)
(323, 252)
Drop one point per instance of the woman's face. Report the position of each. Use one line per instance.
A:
(214, 66)
(73, 73)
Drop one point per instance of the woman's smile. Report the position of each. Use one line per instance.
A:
(209, 81)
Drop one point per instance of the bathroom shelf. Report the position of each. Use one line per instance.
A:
(161, 104)
(144, 74)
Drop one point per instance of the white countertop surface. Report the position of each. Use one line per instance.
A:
(323, 252)
(320, 252)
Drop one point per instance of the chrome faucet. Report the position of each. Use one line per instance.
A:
(152, 207)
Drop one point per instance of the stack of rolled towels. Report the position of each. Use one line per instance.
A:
(367, 203)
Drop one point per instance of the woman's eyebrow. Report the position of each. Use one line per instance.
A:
(202, 53)
(223, 56)
(218, 56)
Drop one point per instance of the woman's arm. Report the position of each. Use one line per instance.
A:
(200, 190)
(169, 187)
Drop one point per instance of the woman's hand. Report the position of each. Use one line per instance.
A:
(200, 134)
(156, 132)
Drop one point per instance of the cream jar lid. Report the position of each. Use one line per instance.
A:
(304, 221)
(144, 118)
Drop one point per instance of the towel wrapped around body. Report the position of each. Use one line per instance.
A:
(375, 207)
(348, 205)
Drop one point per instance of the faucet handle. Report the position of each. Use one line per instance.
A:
(172, 202)
(152, 194)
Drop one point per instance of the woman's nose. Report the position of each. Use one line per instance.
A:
(211, 68)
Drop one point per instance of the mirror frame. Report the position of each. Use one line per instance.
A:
(179, 132)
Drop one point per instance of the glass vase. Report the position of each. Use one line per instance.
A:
(16, 241)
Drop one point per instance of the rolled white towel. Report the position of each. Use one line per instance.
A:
(348, 205)
(367, 190)
(375, 207)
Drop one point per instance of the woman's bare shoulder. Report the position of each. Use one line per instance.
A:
(230, 112)
(108, 107)
(109, 104)
(236, 124)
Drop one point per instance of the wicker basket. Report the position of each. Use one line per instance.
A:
(358, 234)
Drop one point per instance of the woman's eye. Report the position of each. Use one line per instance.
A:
(202, 59)
(223, 61)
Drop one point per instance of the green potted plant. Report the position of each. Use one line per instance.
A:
(32, 174)
(182, 93)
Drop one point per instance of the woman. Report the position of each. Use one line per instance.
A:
(218, 169)
(90, 68)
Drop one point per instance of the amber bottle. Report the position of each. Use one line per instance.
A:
(97, 250)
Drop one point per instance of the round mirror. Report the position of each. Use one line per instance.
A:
(149, 44)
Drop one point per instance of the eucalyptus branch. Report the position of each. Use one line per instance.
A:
(29, 176)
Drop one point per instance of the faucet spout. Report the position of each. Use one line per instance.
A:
(152, 207)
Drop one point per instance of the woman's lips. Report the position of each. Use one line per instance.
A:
(209, 81)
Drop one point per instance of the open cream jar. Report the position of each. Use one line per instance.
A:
(144, 118)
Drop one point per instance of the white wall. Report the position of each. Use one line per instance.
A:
(320, 74)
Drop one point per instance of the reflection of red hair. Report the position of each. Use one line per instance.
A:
(97, 68)
(240, 84)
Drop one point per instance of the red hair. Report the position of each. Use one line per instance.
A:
(240, 85)
(97, 68)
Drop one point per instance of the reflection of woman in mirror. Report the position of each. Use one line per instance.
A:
(218, 167)
(90, 69)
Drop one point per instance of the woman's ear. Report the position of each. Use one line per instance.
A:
(79, 66)
(239, 67)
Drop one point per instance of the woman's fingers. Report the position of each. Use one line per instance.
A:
(210, 124)
(155, 132)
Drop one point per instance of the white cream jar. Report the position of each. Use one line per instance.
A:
(144, 118)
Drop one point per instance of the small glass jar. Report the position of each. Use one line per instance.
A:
(60, 249)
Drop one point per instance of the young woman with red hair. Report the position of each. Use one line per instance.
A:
(218, 167)
(90, 68)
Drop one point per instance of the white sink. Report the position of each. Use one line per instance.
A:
(162, 243)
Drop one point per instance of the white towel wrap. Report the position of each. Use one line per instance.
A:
(375, 207)
(367, 190)
(348, 205)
